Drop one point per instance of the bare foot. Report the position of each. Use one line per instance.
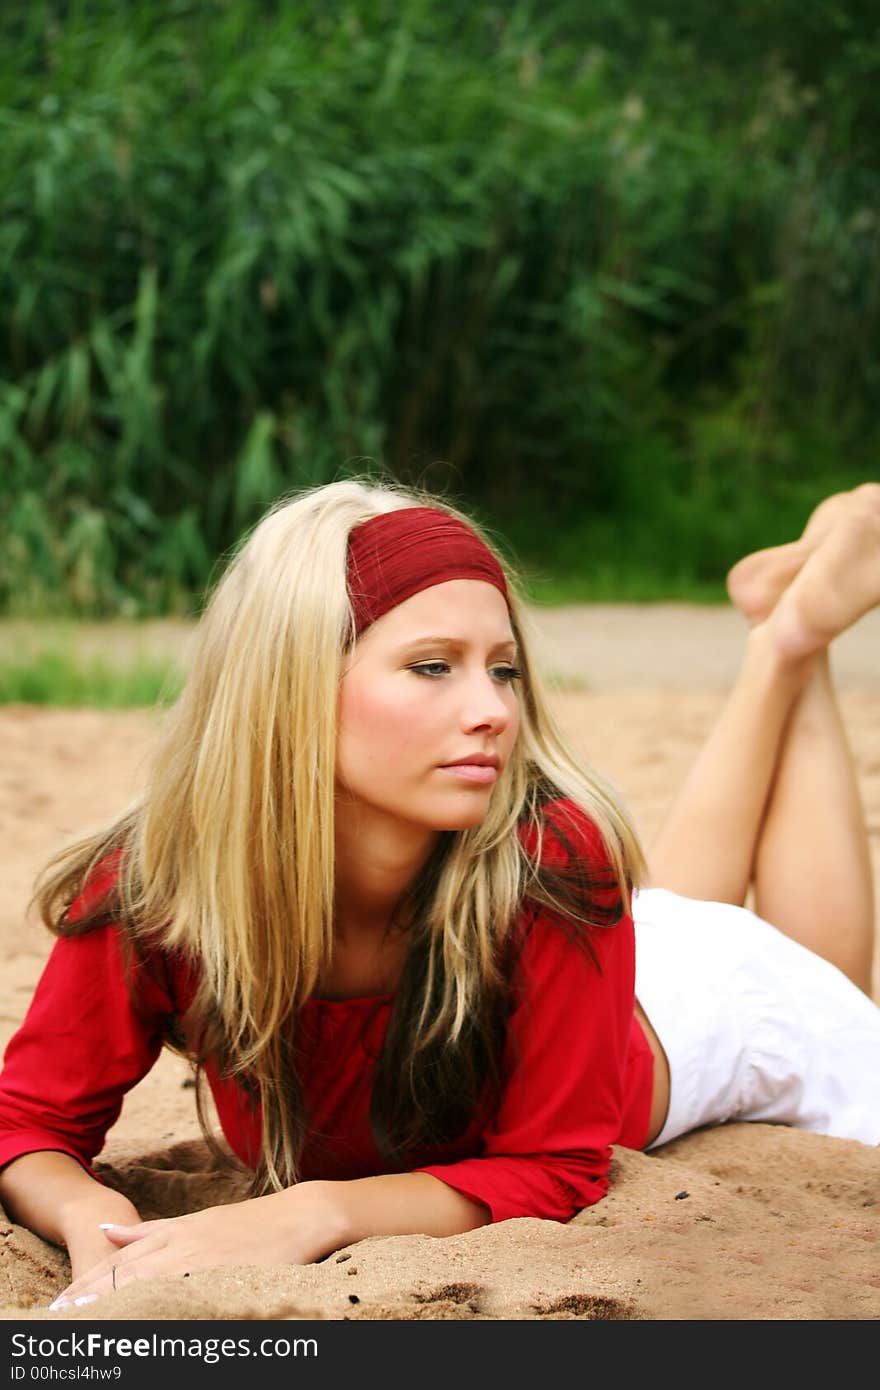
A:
(756, 582)
(836, 586)
(865, 497)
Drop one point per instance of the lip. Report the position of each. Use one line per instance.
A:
(477, 760)
(480, 769)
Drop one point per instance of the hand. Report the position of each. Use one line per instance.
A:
(90, 1245)
(293, 1227)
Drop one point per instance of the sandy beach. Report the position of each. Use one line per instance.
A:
(739, 1222)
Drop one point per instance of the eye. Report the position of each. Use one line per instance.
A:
(431, 669)
(507, 674)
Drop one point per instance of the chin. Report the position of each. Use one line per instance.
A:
(463, 819)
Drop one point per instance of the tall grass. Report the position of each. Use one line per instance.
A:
(60, 677)
(620, 299)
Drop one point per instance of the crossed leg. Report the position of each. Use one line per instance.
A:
(772, 799)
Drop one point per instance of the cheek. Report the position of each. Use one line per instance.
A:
(513, 729)
(376, 731)
(508, 736)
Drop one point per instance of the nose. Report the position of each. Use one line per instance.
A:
(488, 706)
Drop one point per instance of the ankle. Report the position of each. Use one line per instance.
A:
(769, 649)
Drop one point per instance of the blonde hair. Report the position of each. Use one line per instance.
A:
(228, 858)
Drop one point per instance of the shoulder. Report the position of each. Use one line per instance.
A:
(567, 838)
(569, 829)
(94, 936)
(97, 895)
(575, 885)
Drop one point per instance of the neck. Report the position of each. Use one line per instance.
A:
(377, 859)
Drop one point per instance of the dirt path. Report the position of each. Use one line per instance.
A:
(675, 646)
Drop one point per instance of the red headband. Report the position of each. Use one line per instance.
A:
(397, 554)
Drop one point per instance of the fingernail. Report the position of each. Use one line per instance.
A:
(85, 1298)
(106, 1225)
(59, 1303)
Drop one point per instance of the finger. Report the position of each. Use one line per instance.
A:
(90, 1288)
(86, 1291)
(63, 1301)
(125, 1235)
(106, 1277)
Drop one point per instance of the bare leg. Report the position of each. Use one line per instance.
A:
(812, 866)
(707, 845)
(773, 793)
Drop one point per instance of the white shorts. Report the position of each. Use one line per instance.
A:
(755, 1026)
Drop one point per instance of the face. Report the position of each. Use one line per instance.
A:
(428, 712)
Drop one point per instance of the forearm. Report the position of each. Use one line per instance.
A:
(53, 1195)
(398, 1204)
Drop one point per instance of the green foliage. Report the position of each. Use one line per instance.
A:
(58, 676)
(620, 276)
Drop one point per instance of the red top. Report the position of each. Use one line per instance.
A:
(578, 1067)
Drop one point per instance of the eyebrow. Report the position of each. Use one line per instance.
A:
(453, 644)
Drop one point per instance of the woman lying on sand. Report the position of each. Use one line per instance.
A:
(399, 926)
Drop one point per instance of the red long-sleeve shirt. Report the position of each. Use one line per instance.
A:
(578, 1069)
